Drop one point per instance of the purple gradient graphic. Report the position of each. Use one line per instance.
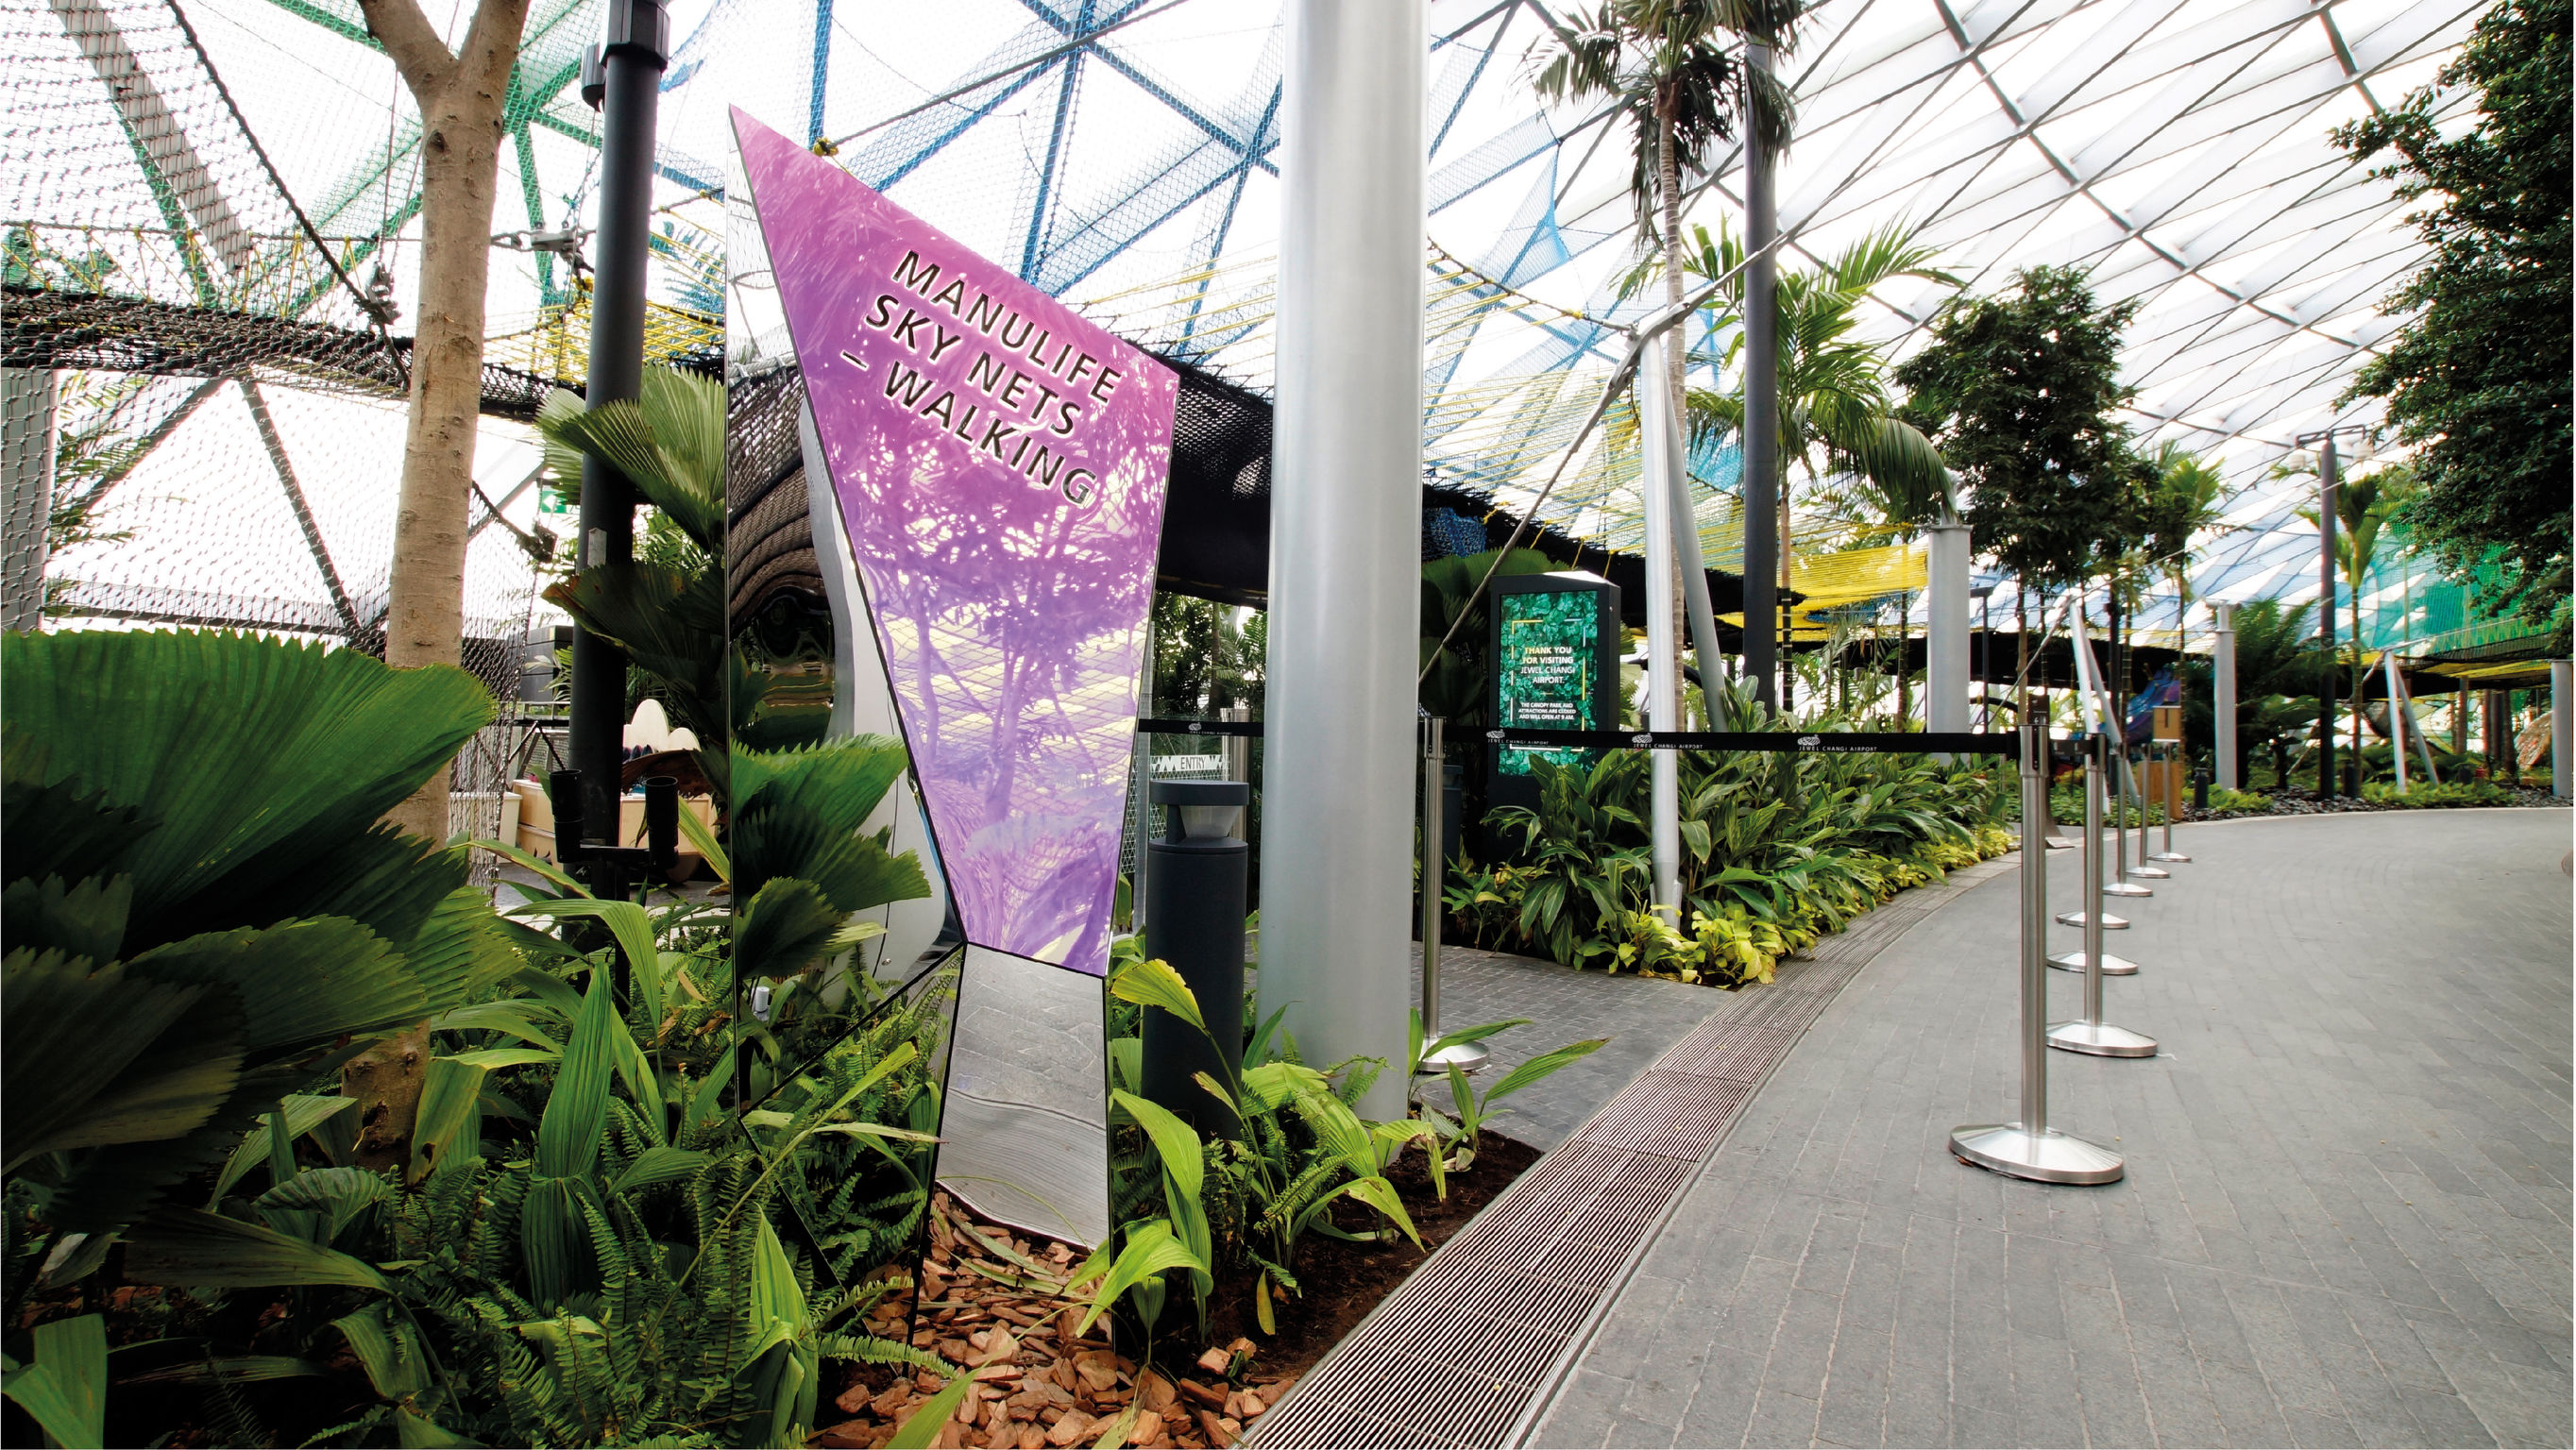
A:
(1000, 464)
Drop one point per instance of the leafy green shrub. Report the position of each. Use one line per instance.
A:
(2448, 793)
(202, 913)
(1776, 851)
(583, 1236)
(2252, 802)
(1199, 1208)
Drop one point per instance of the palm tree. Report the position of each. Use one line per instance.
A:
(2187, 497)
(2279, 671)
(2363, 507)
(1667, 68)
(1837, 417)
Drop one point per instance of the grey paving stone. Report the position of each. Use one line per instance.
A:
(2347, 1217)
(1780, 1418)
(1854, 1408)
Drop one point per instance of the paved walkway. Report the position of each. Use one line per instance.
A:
(2346, 1219)
(1462, 1351)
(1640, 1017)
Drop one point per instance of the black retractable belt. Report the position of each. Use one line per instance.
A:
(1169, 725)
(1811, 742)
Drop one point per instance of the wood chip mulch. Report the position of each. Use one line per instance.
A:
(997, 1304)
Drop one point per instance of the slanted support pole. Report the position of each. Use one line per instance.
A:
(1685, 532)
(285, 467)
(27, 398)
(1345, 571)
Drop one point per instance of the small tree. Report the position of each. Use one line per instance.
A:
(2017, 391)
(461, 95)
(2478, 381)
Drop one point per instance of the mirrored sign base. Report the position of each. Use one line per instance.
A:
(2109, 922)
(2111, 966)
(2047, 1156)
(2125, 888)
(2100, 1039)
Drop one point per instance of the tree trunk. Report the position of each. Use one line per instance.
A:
(461, 103)
(386, 1079)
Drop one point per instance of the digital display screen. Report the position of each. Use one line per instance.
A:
(1547, 670)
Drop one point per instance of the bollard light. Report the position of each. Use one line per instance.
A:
(1194, 920)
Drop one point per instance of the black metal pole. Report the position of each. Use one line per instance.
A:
(2327, 679)
(1762, 658)
(623, 79)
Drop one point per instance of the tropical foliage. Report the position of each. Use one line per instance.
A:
(1777, 850)
(1456, 681)
(587, 1219)
(1672, 71)
(2477, 377)
(1192, 1211)
(1838, 419)
(196, 871)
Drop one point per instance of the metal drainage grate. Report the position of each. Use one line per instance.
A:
(1683, 1117)
(1462, 1352)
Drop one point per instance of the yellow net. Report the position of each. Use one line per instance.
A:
(554, 341)
(1847, 577)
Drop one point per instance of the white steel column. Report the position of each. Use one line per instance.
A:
(2222, 706)
(1662, 699)
(1345, 567)
(2562, 684)
(1945, 675)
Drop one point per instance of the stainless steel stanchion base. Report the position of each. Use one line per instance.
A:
(2151, 873)
(2125, 888)
(2109, 922)
(1465, 1056)
(2100, 1039)
(2111, 966)
(2048, 1156)
(2058, 843)
(2169, 856)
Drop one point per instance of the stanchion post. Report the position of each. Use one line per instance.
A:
(2091, 960)
(1467, 1056)
(2031, 1148)
(2120, 884)
(2173, 806)
(2138, 795)
(2091, 1035)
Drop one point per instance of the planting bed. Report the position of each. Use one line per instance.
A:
(995, 1301)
